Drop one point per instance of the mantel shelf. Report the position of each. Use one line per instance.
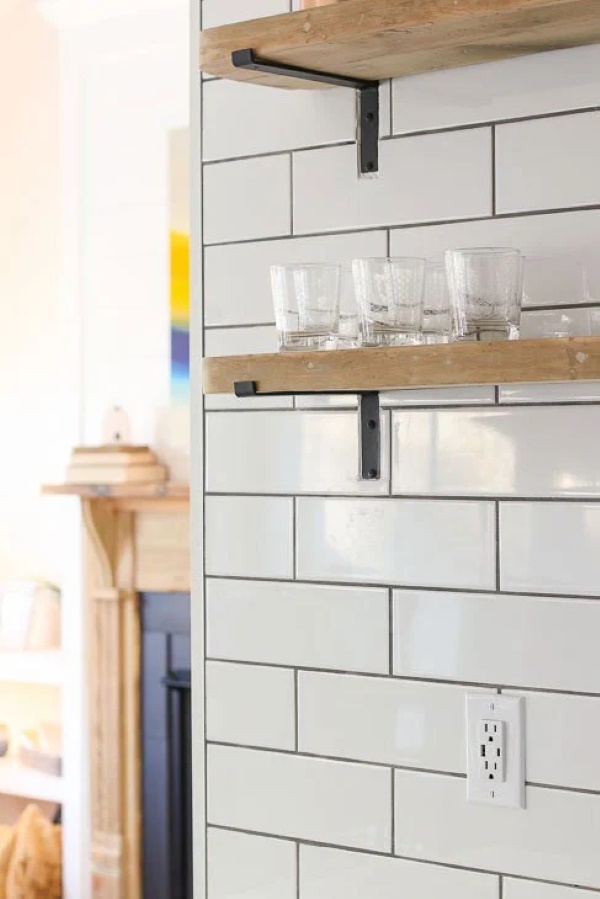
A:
(377, 39)
(169, 490)
(394, 368)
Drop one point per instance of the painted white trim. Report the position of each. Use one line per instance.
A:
(75, 14)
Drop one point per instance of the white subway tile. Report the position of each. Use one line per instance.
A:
(413, 542)
(489, 639)
(423, 178)
(563, 735)
(562, 265)
(307, 625)
(335, 874)
(238, 286)
(289, 452)
(502, 452)
(244, 866)
(226, 12)
(250, 705)
(580, 391)
(382, 720)
(548, 163)
(550, 547)
(246, 199)
(328, 401)
(249, 536)
(440, 396)
(512, 88)
(245, 119)
(556, 837)
(241, 342)
(527, 889)
(242, 119)
(566, 322)
(305, 798)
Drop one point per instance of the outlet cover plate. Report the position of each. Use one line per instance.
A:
(507, 789)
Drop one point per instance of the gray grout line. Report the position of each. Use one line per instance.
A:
(239, 327)
(552, 307)
(435, 223)
(386, 855)
(393, 809)
(296, 711)
(295, 537)
(391, 632)
(527, 310)
(497, 544)
(500, 887)
(298, 870)
(493, 173)
(406, 678)
(316, 756)
(406, 588)
(291, 193)
(408, 497)
(426, 407)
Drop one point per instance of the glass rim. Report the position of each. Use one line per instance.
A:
(486, 251)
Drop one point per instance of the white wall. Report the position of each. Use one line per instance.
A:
(475, 563)
(134, 71)
(35, 395)
(124, 88)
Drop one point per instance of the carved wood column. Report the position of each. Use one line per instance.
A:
(106, 701)
(135, 539)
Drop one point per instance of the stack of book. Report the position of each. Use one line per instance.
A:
(115, 464)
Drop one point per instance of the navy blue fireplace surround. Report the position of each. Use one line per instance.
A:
(166, 746)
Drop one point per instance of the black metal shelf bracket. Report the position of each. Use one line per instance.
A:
(369, 422)
(367, 100)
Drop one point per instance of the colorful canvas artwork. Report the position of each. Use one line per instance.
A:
(180, 265)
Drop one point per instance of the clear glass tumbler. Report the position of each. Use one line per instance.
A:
(437, 316)
(486, 290)
(349, 324)
(390, 298)
(306, 298)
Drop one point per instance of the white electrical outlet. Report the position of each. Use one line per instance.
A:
(495, 750)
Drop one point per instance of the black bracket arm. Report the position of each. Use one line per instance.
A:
(369, 421)
(367, 97)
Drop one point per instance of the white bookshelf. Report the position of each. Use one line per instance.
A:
(17, 780)
(43, 667)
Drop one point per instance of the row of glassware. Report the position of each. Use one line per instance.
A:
(475, 294)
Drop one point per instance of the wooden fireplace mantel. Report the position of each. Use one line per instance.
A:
(136, 539)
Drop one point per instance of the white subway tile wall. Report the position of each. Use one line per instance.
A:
(344, 628)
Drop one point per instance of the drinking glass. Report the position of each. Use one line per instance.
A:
(390, 297)
(306, 298)
(437, 318)
(486, 289)
(348, 328)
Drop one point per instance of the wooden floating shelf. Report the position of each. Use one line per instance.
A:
(395, 368)
(377, 39)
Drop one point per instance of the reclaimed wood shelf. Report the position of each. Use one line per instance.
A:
(396, 368)
(377, 39)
